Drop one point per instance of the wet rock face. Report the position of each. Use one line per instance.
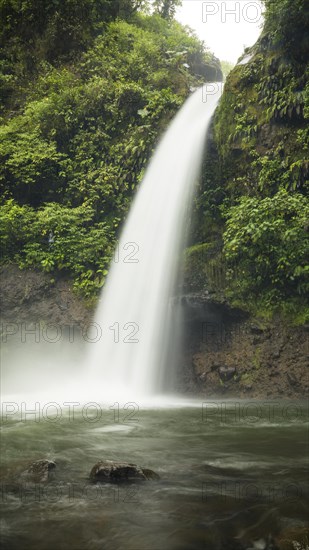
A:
(150, 474)
(39, 471)
(225, 352)
(227, 373)
(117, 472)
(29, 296)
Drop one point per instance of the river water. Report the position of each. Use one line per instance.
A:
(231, 475)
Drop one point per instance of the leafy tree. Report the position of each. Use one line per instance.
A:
(33, 32)
(286, 23)
(166, 8)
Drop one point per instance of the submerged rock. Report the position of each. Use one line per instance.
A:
(39, 471)
(116, 472)
(150, 474)
(293, 538)
(263, 544)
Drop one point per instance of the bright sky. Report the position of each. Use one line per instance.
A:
(226, 27)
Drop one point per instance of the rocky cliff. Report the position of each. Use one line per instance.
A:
(224, 352)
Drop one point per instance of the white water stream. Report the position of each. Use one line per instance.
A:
(132, 320)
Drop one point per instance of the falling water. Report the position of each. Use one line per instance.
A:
(131, 327)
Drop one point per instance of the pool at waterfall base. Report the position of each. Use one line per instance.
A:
(233, 475)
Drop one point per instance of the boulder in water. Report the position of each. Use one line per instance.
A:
(39, 471)
(117, 472)
(150, 474)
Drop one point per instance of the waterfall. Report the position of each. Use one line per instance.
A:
(131, 328)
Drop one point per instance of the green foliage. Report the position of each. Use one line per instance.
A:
(56, 238)
(282, 91)
(245, 127)
(80, 126)
(207, 221)
(287, 24)
(59, 27)
(227, 66)
(35, 32)
(204, 269)
(28, 161)
(257, 196)
(269, 173)
(266, 246)
(166, 8)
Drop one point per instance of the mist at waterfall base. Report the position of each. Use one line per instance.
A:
(126, 355)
